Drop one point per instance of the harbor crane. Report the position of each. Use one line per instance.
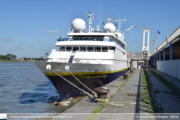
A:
(128, 29)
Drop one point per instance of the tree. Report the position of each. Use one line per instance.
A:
(8, 57)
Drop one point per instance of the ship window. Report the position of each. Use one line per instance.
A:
(62, 48)
(90, 49)
(120, 44)
(104, 49)
(97, 49)
(88, 38)
(68, 48)
(82, 48)
(75, 48)
(111, 48)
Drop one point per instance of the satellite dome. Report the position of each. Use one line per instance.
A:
(109, 27)
(78, 25)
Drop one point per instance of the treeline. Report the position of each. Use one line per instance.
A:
(8, 57)
(13, 57)
(37, 59)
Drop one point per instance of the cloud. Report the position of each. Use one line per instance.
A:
(52, 32)
(21, 47)
(8, 39)
(13, 48)
(45, 49)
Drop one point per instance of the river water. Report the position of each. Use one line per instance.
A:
(24, 89)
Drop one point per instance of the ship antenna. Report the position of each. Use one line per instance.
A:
(90, 21)
(119, 14)
(100, 16)
(109, 20)
(119, 29)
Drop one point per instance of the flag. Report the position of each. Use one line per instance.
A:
(153, 40)
(103, 23)
(155, 36)
(152, 44)
(158, 32)
(94, 17)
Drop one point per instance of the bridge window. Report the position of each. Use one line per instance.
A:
(97, 49)
(111, 48)
(89, 49)
(68, 48)
(104, 49)
(75, 48)
(62, 48)
(82, 48)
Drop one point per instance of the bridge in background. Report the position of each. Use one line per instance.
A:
(142, 57)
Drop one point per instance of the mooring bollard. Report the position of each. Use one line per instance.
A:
(125, 76)
(102, 92)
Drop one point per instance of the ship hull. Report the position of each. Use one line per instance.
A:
(91, 75)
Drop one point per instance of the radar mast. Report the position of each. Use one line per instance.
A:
(90, 21)
(109, 19)
(119, 29)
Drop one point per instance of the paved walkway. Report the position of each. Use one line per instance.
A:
(85, 108)
(129, 98)
(165, 97)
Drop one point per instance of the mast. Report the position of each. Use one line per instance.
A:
(119, 29)
(90, 21)
(109, 19)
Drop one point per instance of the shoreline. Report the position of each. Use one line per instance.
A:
(17, 61)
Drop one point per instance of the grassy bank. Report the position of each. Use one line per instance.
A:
(97, 110)
(146, 99)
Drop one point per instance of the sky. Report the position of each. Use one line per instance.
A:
(29, 28)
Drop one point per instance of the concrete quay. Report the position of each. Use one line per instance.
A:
(85, 108)
(129, 96)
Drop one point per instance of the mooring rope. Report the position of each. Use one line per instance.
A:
(73, 84)
(83, 84)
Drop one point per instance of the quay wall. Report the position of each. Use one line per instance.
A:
(170, 67)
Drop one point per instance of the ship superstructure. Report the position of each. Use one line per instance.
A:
(95, 57)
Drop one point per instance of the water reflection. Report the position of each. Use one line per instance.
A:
(38, 95)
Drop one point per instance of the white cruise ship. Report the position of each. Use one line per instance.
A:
(94, 57)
